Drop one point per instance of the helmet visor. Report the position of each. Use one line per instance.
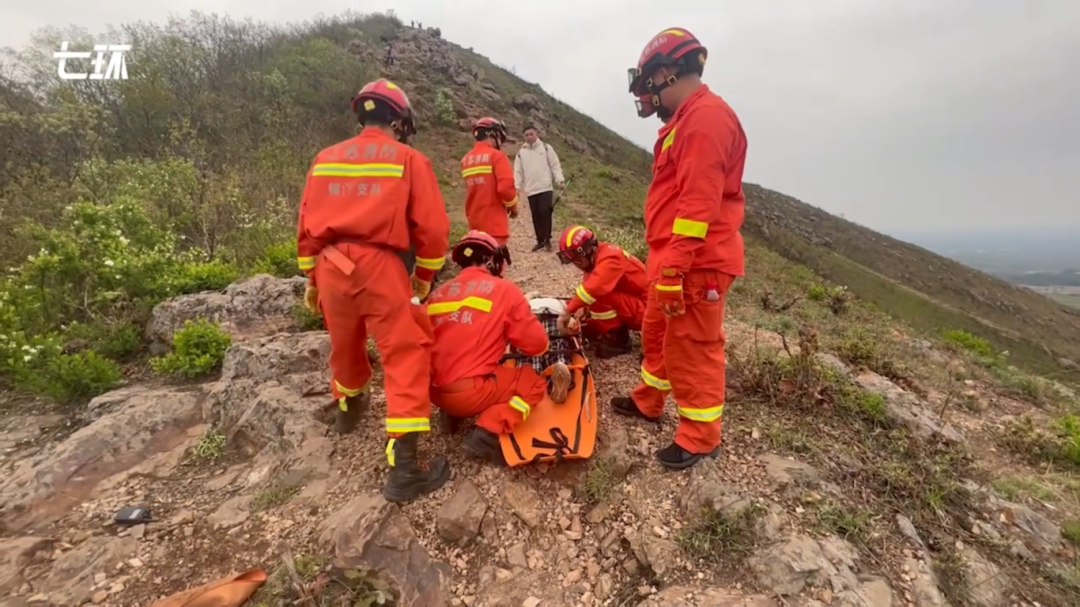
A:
(644, 110)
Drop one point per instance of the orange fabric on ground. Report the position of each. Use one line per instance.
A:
(692, 346)
(365, 199)
(614, 290)
(474, 316)
(695, 203)
(502, 399)
(373, 189)
(490, 193)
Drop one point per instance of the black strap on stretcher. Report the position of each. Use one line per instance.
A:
(559, 442)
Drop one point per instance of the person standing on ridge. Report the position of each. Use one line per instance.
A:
(489, 182)
(693, 212)
(366, 200)
(614, 290)
(536, 166)
(475, 317)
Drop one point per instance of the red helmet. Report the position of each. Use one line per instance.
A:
(391, 94)
(676, 48)
(574, 242)
(476, 243)
(490, 127)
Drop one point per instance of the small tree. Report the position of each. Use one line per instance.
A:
(444, 107)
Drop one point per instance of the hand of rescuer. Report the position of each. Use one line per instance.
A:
(311, 298)
(421, 288)
(669, 293)
(570, 323)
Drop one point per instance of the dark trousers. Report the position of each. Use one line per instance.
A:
(542, 207)
(409, 259)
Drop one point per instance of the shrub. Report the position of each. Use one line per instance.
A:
(196, 277)
(278, 260)
(961, 340)
(198, 348)
(444, 107)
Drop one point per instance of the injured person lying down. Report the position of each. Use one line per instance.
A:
(476, 317)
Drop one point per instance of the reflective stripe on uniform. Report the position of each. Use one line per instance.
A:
(348, 391)
(518, 404)
(483, 169)
(371, 169)
(654, 381)
(512, 202)
(404, 425)
(446, 307)
(431, 263)
(584, 295)
(603, 315)
(710, 414)
(390, 451)
(306, 263)
(660, 287)
(689, 227)
(670, 139)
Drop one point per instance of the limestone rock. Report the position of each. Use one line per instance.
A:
(15, 554)
(372, 534)
(688, 596)
(460, 516)
(71, 580)
(256, 306)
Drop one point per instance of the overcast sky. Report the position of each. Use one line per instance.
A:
(902, 115)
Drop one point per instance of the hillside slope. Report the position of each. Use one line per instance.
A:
(864, 463)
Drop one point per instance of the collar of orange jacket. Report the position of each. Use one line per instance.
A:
(376, 131)
(684, 107)
(486, 144)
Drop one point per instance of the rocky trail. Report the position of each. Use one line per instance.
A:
(239, 472)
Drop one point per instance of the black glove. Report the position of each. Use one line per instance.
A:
(505, 252)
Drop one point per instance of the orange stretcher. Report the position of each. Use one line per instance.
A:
(554, 432)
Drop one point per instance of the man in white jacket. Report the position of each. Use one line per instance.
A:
(536, 168)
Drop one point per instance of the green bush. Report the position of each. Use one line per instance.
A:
(278, 260)
(198, 348)
(444, 107)
(962, 340)
(196, 277)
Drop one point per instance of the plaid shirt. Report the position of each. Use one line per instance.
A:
(558, 351)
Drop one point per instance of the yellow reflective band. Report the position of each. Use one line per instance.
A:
(660, 287)
(446, 307)
(570, 235)
(373, 169)
(654, 381)
(689, 227)
(710, 414)
(390, 451)
(484, 169)
(518, 404)
(512, 202)
(678, 33)
(306, 263)
(584, 295)
(343, 404)
(404, 425)
(603, 315)
(670, 139)
(431, 263)
(348, 391)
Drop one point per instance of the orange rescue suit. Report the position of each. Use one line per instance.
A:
(614, 290)
(693, 212)
(490, 192)
(366, 199)
(474, 317)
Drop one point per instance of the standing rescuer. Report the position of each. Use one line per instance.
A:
(366, 200)
(614, 290)
(475, 316)
(693, 212)
(489, 181)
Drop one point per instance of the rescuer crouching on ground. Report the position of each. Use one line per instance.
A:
(475, 317)
(612, 295)
(366, 200)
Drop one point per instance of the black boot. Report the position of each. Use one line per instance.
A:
(615, 343)
(409, 480)
(349, 411)
(624, 405)
(537, 247)
(675, 457)
(448, 423)
(483, 444)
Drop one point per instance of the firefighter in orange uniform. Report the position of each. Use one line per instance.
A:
(366, 200)
(475, 316)
(613, 291)
(693, 212)
(489, 180)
